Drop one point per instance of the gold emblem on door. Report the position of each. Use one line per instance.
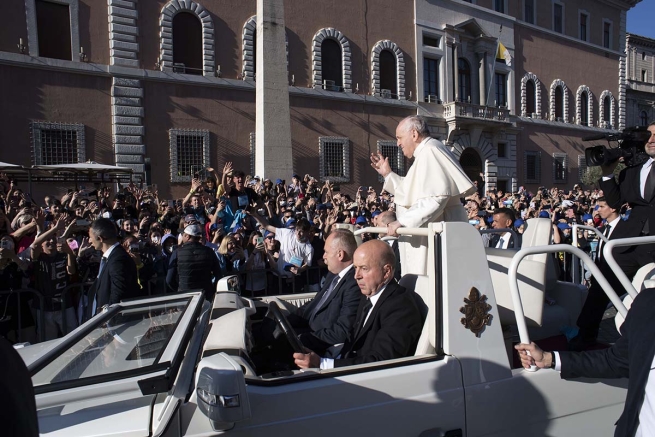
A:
(476, 312)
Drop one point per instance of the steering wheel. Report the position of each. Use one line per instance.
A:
(284, 324)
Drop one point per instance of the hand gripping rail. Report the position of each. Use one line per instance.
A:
(514, 285)
(611, 262)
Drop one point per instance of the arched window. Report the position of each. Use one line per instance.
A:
(464, 78)
(331, 64)
(643, 118)
(530, 98)
(187, 43)
(388, 74)
(559, 103)
(607, 105)
(584, 108)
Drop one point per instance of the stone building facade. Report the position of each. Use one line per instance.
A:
(172, 82)
(640, 89)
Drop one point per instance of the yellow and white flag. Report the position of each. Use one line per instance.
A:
(503, 53)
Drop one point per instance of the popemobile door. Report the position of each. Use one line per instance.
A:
(406, 397)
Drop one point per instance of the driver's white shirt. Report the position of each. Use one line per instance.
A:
(328, 363)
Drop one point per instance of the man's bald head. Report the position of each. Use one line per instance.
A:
(386, 217)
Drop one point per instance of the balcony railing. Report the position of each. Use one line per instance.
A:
(465, 109)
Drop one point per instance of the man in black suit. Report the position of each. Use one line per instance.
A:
(117, 278)
(636, 186)
(592, 312)
(388, 322)
(630, 357)
(330, 316)
(503, 219)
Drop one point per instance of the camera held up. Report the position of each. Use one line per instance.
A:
(630, 142)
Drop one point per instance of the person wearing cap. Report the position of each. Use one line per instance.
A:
(429, 193)
(594, 307)
(296, 251)
(193, 265)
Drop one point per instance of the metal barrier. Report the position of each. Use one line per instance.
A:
(576, 263)
(64, 300)
(40, 333)
(282, 282)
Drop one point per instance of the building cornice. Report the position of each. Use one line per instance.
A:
(621, 4)
(109, 71)
(643, 41)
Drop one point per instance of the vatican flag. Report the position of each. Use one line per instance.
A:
(503, 53)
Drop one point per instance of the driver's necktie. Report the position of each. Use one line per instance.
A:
(325, 297)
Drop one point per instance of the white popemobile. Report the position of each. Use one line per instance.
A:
(177, 365)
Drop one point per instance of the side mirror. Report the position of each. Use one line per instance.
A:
(229, 284)
(221, 391)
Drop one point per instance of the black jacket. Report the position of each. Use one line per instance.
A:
(630, 357)
(333, 322)
(391, 331)
(628, 189)
(193, 266)
(117, 281)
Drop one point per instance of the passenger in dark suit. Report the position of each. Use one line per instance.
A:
(504, 219)
(388, 322)
(636, 186)
(592, 312)
(117, 278)
(329, 317)
(630, 357)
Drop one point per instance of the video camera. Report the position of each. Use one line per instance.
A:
(630, 147)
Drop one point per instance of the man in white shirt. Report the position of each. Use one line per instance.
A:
(388, 322)
(430, 192)
(296, 251)
(632, 356)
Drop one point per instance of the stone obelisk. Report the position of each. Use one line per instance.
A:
(273, 155)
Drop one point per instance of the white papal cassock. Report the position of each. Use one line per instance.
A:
(429, 193)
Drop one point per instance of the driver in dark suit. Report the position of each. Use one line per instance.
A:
(630, 357)
(329, 317)
(388, 322)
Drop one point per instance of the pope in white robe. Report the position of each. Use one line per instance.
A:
(430, 192)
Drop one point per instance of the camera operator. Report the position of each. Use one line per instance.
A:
(636, 186)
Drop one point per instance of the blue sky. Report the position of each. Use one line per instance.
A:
(640, 19)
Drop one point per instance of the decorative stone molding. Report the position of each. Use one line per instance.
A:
(127, 123)
(375, 66)
(249, 49)
(488, 153)
(524, 94)
(317, 71)
(33, 34)
(123, 31)
(169, 11)
(608, 124)
(578, 105)
(565, 100)
(622, 71)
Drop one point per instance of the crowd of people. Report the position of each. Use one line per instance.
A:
(272, 233)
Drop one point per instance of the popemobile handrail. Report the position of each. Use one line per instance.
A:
(514, 284)
(611, 262)
(424, 232)
(587, 228)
